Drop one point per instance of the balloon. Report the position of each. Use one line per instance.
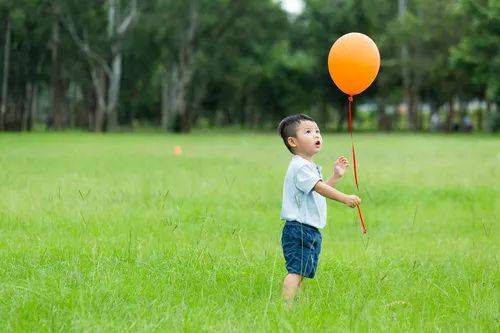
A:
(353, 62)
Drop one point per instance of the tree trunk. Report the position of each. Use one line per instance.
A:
(405, 73)
(56, 83)
(463, 114)
(114, 92)
(416, 110)
(115, 73)
(5, 77)
(26, 116)
(170, 111)
(449, 117)
(74, 93)
(480, 119)
(342, 116)
(19, 106)
(196, 105)
(433, 124)
(242, 114)
(34, 106)
(90, 105)
(186, 63)
(323, 114)
(164, 101)
(487, 114)
(118, 24)
(411, 103)
(99, 81)
(491, 121)
(168, 96)
(181, 99)
(384, 121)
(184, 116)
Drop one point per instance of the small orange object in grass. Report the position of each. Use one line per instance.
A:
(177, 150)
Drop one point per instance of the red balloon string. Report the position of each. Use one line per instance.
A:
(355, 168)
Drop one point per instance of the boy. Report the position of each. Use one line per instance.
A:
(304, 203)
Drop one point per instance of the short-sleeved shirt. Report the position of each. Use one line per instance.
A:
(300, 202)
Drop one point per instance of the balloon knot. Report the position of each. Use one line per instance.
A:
(350, 98)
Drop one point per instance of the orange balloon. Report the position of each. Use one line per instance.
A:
(353, 62)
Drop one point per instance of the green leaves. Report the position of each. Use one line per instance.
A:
(250, 59)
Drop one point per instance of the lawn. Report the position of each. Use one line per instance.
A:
(116, 233)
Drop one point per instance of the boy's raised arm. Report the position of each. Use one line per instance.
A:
(339, 168)
(329, 192)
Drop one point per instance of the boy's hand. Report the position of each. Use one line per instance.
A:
(352, 200)
(340, 166)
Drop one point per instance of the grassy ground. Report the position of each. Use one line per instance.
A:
(115, 233)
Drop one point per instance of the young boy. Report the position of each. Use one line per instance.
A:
(304, 203)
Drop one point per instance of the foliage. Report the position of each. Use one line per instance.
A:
(226, 62)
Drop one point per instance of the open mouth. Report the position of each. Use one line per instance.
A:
(318, 143)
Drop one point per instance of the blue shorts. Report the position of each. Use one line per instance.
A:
(301, 247)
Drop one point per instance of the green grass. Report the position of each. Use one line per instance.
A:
(114, 233)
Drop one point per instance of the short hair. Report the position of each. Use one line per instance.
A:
(288, 127)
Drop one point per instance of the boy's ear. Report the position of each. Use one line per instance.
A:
(292, 142)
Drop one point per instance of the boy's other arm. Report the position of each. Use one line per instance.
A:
(329, 192)
(339, 168)
(333, 180)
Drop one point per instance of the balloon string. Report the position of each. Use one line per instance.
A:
(355, 169)
(349, 125)
(360, 214)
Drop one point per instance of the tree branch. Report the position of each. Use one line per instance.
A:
(228, 23)
(83, 44)
(128, 20)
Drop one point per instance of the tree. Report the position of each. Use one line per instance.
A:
(6, 69)
(478, 53)
(104, 55)
(56, 80)
(26, 33)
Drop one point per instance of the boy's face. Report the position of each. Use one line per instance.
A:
(308, 140)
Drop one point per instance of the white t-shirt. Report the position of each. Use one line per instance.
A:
(300, 202)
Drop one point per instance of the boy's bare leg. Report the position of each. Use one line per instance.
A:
(291, 285)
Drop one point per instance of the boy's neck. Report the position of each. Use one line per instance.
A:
(304, 156)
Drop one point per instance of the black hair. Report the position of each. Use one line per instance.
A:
(288, 127)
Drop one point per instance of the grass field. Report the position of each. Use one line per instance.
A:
(115, 233)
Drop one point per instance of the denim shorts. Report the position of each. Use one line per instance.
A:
(301, 247)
